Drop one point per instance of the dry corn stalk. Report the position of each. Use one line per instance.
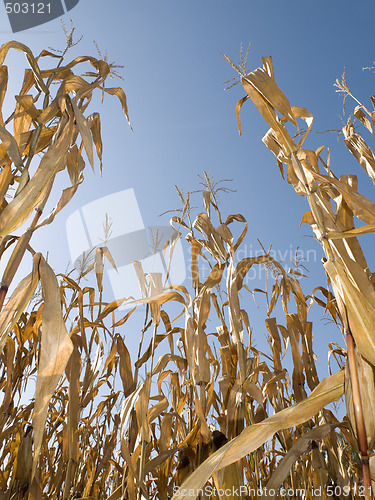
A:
(345, 263)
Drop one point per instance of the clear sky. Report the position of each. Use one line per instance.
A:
(184, 121)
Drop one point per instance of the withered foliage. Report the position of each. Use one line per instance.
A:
(201, 405)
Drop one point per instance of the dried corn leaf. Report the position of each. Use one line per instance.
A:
(94, 125)
(18, 301)
(55, 350)
(351, 233)
(268, 88)
(360, 150)
(361, 116)
(21, 207)
(73, 371)
(162, 299)
(3, 89)
(66, 196)
(31, 59)
(238, 109)
(355, 307)
(270, 116)
(84, 130)
(5, 179)
(363, 208)
(11, 147)
(125, 367)
(307, 117)
(118, 91)
(50, 112)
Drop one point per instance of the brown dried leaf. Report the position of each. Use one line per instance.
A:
(18, 301)
(238, 109)
(3, 89)
(268, 88)
(21, 207)
(84, 130)
(354, 307)
(361, 116)
(31, 59)
(94, 125)
(55, 350)
(11, 147)
(118, 91)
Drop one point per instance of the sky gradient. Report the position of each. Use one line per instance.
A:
(184, 121)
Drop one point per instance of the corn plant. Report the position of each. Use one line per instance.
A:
(345, 264)
(45, 134)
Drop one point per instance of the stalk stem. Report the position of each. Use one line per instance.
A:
(3, 293)
(143, 432)
(358, 415)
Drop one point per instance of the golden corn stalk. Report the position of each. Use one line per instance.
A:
(48, 120)
(200, 411)
(345, 263)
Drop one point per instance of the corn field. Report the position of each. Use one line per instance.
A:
(201, 412)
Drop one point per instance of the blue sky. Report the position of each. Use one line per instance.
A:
(184, 121)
